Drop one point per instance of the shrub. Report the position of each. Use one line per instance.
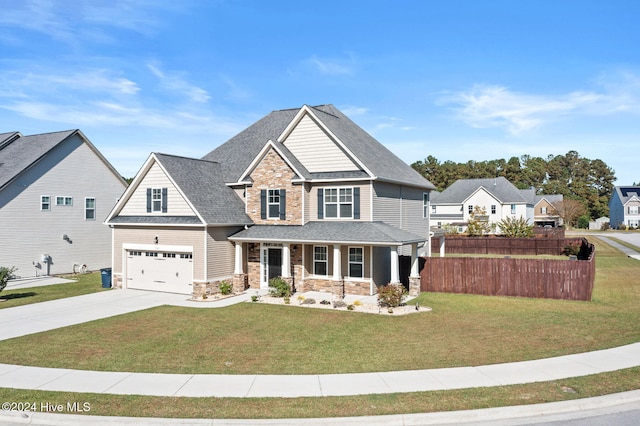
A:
(279, 287)
(583, 222)
(357, 303)
(571, 249)
(5, 275)
(515, 228)
(350, 307)
(255, 298)
(225, 288)
(391, 295)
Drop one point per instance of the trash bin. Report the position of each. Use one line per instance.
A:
(106, 277)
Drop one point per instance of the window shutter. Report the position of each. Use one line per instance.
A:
(164, 200)
(320, 203)
(263, 204)
(356, 203)
(283, 204)
(148, 200)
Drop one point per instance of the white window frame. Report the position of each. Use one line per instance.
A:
(318, 261)
(47, 203)
(494, 209)
(425, 205)
(633, 209)
(470, 208)
(340, 195)
(543, 210)
(156, 197)
(271, 197)
(350, 262)
(88, 209)
(513, 209)
(64, 201)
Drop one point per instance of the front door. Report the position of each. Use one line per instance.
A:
(274, 262)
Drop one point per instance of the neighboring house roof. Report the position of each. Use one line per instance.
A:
(459, 191)
(551, 198)
(18, 153)
(370, 233)
(237, 154)
(626, 193)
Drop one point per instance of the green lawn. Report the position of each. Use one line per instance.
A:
(461, 330)
(84, 284)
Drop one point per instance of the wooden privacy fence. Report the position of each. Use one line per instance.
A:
(540, 278)
(503, 245)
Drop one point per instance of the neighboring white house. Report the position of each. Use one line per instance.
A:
(624, 207)
(55, 191)
(499, 198)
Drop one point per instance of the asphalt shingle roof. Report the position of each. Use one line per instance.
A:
(202, 183)
(24, 151)
(461, 189)
(236, 154)
(375, 233)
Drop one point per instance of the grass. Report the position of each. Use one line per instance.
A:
(363, 405)
(462, 330)
(84, 284)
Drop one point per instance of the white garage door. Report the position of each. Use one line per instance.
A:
(160, 271)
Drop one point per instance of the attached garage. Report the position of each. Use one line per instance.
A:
(158, 270)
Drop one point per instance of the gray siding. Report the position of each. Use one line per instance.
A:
(220, 253)
(72, 169)
(311, 201)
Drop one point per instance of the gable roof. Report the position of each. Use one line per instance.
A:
(551, 198)
(626, 193)
(200, 182)
(500, 188)
(18, 153)
(376, 161)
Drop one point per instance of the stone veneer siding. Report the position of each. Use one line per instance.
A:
(274, 173)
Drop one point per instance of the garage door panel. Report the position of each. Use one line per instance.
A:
(158, 271)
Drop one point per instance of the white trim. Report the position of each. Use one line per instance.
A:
(337, 202)
(285, 261)
(49, 203)
(371, 190)
(366, 243)
(157, 247)
(371, 283)
(302, 195)
(64, 200)
(326, 261)
(189, 225)
(205, 273)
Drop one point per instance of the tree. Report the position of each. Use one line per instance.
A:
(515, 228)
(478, 222)
(583, 221)
(569, 210)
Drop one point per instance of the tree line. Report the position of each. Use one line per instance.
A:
(588, 182)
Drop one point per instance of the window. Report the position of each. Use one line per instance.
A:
(470, 208)
(45, 203)
(543, 210)
(135, 253)
(186, 256)
(433, 209)
(633, 209)
(64, 201)
(151, 254)
(274, 204)
(89, 209)
(356, 262)
(338, 202)
(156, 199)
(425, 204)
(493, 209)
(169, 255)
(513, 209)
(320, 260)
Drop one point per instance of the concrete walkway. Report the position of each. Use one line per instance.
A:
(45, 316)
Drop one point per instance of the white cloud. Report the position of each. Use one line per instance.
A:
(174, 82)
(498, 107)
(353, 111)
(332, 66)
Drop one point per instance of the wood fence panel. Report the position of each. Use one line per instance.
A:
(539, 278)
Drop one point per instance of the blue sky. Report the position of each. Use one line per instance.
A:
(459, 80)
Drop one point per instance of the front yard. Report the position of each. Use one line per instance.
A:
(266, 339)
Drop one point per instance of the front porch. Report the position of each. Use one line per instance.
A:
(328, 257)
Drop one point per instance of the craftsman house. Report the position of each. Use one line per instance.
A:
(55, 191)
(304, 194)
